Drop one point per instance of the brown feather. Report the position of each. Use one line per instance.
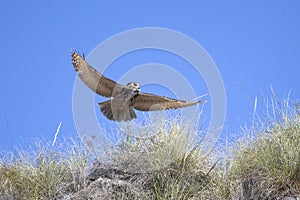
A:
(116, 110)
(93, 79)
(148, 102)
(120, 108)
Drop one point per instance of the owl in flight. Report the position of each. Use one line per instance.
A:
(124, 98)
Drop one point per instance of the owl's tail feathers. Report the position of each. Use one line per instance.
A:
(113, 111)
(105, 108)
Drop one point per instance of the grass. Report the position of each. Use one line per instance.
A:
(161, 161)
(267, 165)
(43, 172)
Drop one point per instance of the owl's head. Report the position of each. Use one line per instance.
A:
(134, 86)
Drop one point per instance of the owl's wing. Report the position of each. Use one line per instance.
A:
(149, 102)
(93, 79)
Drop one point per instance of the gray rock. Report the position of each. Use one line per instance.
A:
(105, 188)
(294, 197)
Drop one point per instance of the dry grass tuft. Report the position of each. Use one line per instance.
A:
(43, 172)
(266, 164)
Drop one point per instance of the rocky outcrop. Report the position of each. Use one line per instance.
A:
(109, 183)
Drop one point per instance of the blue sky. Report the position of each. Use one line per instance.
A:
(254, 44)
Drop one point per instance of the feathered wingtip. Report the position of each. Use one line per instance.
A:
(74, 51)
(200, 101)
(77, 60)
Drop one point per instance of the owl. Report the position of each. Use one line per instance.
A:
(124, 98)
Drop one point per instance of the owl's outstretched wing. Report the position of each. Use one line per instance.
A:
(149, 102)
(93, 79)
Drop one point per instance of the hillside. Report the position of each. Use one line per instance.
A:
(263, 164)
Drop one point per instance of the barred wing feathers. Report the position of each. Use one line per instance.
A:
(148, 102)
(93, 79)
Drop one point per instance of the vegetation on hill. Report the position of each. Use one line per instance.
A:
(264, 164)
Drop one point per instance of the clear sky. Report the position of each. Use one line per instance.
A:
(254, 44)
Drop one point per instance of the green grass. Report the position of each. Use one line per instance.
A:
(163, 162)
